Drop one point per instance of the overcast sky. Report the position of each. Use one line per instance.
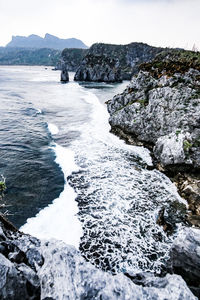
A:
(168, 23)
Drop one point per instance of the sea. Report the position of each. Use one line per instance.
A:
(68, 178)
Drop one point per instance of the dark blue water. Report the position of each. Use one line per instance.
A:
(98, 194)
(33, 178)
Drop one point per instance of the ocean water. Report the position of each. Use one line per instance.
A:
(70, 179)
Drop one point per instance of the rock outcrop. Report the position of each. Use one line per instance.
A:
(19, 260)
(161, 110)
(185, 258)
(64, 74)
(32, 269)
(113, 63)
(71, 59)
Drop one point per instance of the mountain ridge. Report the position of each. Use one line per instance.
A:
(49, 41)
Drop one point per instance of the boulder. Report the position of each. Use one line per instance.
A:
(34, 269)
(185, 257)
(81, 280)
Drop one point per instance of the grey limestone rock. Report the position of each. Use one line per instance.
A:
(164, 112)
(54, 270)
(113, 63)
(84, 281)
(19, 279)
(185, 257)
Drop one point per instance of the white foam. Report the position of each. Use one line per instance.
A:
(53, 128)
(39, 111)
(102, 128)
(59, 219)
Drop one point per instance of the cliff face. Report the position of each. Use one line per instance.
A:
(34, 269)
(113, 63)
(164, 112)
(161, 109)
(71, 59)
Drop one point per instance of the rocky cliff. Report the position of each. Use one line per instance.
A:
(71, 59)
(34, 269)
(161, 109)
(113, 63)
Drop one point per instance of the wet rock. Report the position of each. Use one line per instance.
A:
(18, 279)
(64, 74)
(15, 283)
(171, 215)
(54, 270)
(84, 281)
(185, 257)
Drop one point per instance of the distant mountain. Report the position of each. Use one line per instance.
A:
(49, 41)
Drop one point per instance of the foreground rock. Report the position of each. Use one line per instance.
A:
(161, 110)
(185, 258)
(19, 260)
(31, 269)
(113, 63)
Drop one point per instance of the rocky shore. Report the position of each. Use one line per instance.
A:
(34, 269)
(160, 109)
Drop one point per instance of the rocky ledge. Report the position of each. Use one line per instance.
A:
(113, 63)
(160, 109)
(34, 269)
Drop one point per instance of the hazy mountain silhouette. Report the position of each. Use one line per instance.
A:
(49, 41)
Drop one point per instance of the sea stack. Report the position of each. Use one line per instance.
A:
(64, 74)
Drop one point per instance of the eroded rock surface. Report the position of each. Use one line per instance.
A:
(71, 59)
(113, 63)
(161, 110)
(31, 269)
(164, 112)
(185, 257)
(19, 261)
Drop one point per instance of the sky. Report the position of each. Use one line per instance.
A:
(166, 23)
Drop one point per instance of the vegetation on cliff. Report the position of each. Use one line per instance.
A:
(107, 62)
(172, 61)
